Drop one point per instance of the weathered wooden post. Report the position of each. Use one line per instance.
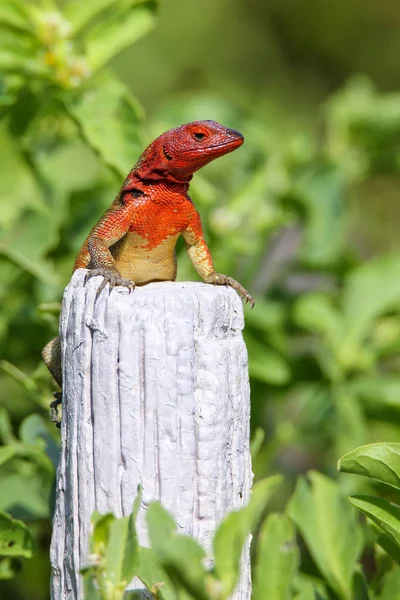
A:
(156, 393)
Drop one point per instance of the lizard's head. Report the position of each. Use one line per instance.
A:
(179, 152)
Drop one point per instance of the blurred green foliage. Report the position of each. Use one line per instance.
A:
(304, 215)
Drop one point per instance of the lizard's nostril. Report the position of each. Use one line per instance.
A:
(234, 133)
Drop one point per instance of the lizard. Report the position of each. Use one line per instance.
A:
(133, 243)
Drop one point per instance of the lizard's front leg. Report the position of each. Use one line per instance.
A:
(109, 230)
(201, 259)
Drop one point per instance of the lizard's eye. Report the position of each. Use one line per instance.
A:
(199, 135)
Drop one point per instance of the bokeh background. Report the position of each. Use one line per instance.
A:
(305, 215)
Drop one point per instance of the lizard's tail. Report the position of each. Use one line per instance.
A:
(51, 354)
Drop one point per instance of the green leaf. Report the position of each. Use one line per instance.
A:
(330, 529)
(257, 442)
(378, 390)
(34, 430)
(234, 530)
(13, 14)
(128, 22)
(369, 291)
(181, 556)
(277, 560)
(391, 585)
(390, 547)
(27, 452)
(6, 430)
(360, 586)
(379, 461)
(381, 512)
(108, 118)
(150, 571)
(6, 568)
(101, 532)
(81, 13)
(91, 592)
(308, 587)
(15, 538)
(121, 554)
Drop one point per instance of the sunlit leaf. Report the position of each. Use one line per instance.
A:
(382, 512)
(379, 461)
(108, 118)
(330, 529)
(15, 538)
(235, 528)
(180, 556)
(277, 560)
(153, 575)
(129, 21)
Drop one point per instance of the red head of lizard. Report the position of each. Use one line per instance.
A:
(178, 153)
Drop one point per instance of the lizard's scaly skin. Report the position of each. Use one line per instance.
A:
(134, 242)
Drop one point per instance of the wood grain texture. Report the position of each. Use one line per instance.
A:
(156, 393)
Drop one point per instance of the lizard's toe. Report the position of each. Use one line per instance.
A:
(220, 279)
(110, 277)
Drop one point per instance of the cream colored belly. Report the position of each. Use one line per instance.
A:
(135, 261)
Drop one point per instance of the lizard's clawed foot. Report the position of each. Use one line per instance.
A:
(111, 277)
(54, 408)
(219, 279)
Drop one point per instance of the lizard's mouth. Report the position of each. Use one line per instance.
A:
(229, 146)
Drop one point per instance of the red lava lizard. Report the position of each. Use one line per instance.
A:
(134, 241)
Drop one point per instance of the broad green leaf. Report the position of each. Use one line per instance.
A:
(15, 538)
(150, 571)
(27, 243)
(277, 560)
(369, 291)
(128, 22)
(101, 532)
(379, 461)
(391, 585)
(26, 452)
(330, 529)
(234, 530)
(377, 391)
(23, 467)
(382, 512)
(181, 556)
(121, 554)
(108, 118)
